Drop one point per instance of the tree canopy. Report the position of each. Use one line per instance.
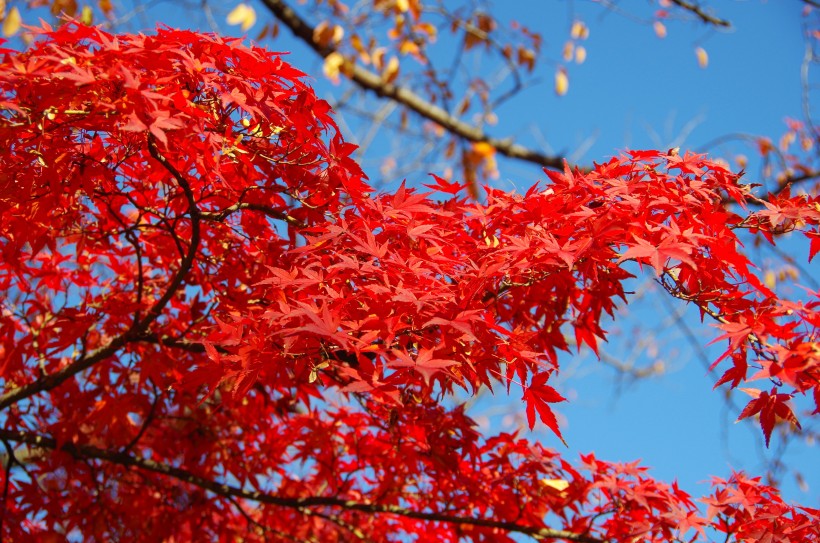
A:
(214, 328)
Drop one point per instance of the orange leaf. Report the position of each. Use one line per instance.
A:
(660, 29)
(561, 82)
(391, 71)
(702, 56)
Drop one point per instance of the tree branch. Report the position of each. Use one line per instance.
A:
(373, 82)
(701, 14)
(53, 380)
(229, 491)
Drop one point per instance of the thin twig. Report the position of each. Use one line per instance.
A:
(701, 14)
(57, 378)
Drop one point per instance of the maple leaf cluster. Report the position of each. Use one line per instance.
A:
(212, 328)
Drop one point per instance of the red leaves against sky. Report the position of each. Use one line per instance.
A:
(195, 273)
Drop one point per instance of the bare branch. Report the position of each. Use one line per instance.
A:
(373, 82)
(54, 380)
(228, 491)
(701, 14)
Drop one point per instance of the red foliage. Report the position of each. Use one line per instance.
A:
(211, 329)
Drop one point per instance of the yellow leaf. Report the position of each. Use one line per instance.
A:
(580, 54)
(243, 15)
(12, 22)
(357, 44)
(660, 29)
(426, 28)
(391, 71)
(2, 9)
(770, 279)
(561, 82)
(338, 34)
(333, 64)
(402, 5)
(558, 484)
(491, 241)
(87, 15)
(579, 31)
(703, 57)
(408, 47)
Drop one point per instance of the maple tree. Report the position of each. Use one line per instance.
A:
(213, 328)
(446, 68)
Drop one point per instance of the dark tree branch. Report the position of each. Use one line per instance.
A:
(701, 14)
(230, 491)
(373, 82)
(188, 346)
(266, 210)
(55, 379)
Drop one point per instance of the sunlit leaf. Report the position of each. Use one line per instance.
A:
(702, 56)
(12, 22)
(391, 71)
(87, 15)
(332, 66)
(579, 30)
(660, 29)
(580, 54)
(557, 484)
(561, 82)
(243, 15)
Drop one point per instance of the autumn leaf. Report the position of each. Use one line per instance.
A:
(391, 71)
(442, 185)
(580, 54)
(12, 22)
(243, 15)
(660, 29)
(579, 30)
(769, 406)
(814, 247)
(332, 66)
(561, 82)
(538, 395)
(423, 363)
(702, 56)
